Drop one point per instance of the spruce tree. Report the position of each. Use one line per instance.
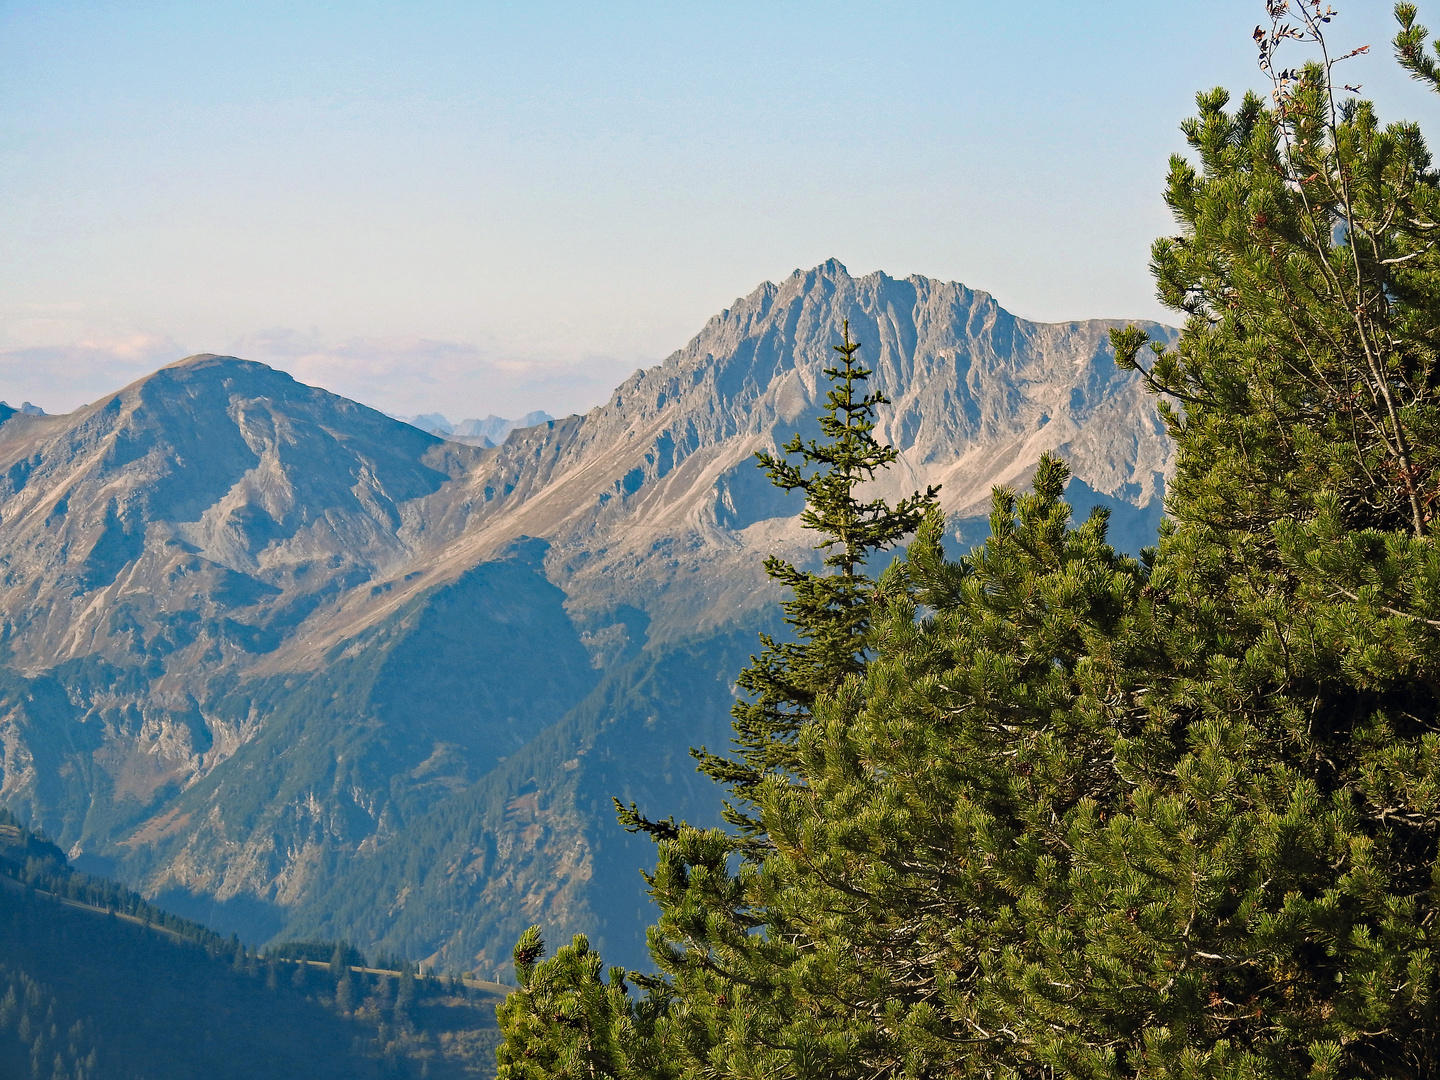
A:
(345, 992)
(721, 956)
(828, 611)
(723, 945)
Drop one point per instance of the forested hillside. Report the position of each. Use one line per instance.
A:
(96, 984)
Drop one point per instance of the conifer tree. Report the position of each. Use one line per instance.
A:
(1051, 811)
(404, 995)
(1303, 573)
(345, 992)
(566, 1023)
(725, 950)
(1175, 818)
(705, 945)
(829, 611)
(1199, 837)
(919, 860)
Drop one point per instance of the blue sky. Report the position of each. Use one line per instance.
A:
(496, 207)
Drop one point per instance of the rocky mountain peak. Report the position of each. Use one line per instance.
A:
(209, 468)
(278, 653)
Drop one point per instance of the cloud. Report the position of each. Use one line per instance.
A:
(60, 378)
(399, 375)
(412, 375)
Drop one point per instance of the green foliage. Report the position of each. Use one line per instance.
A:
(723, 942)
(706, 942)
(922, 869)
(828, 612)
(133, 985)
(32, 861)
(116, 1000)
(566, 1023)
(1308, 271)
(1049, 810)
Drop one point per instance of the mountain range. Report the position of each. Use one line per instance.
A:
(484, 433)
(301, 670)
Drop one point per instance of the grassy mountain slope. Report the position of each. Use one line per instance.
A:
(536, 840)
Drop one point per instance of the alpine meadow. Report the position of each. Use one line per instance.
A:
(1051, 810)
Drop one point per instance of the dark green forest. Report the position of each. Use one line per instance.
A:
(1048, 810)
(97, 984)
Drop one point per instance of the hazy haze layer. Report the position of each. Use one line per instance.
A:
(486, 208)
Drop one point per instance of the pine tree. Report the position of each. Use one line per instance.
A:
(829, 611)
(1177, 818)
(566, 1023)
(940, 787)
(706, 945)
(1307, 580)
(1101, 819)
(1052, 811)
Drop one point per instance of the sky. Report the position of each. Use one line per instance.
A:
(488, 208)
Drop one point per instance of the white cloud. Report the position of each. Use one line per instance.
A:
(411, 375)
(60, 378)
(399, 375)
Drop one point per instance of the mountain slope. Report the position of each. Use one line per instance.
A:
(299, 668)
(96, 984)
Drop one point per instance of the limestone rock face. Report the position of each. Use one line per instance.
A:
(214, 479)
(298, 668)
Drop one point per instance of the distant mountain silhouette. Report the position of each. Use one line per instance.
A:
(491, 431)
